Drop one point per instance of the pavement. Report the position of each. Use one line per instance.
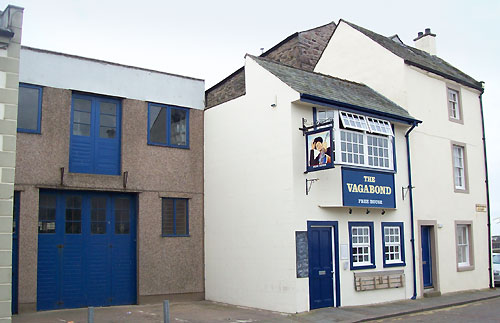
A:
(207, 311)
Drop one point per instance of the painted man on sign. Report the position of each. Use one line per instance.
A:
(320, 153)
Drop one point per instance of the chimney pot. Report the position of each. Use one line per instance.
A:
(420, 34)
(427, 31)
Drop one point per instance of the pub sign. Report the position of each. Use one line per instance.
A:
(365, 188)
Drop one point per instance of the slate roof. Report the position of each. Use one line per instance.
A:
(333, 89)
(421, 59)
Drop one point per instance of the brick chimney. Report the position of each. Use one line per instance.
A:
(426, 41)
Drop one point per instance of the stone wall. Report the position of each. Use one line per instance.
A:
(228, 89)
(301, 50)
(11, 20)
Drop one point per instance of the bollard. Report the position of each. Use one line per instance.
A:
(166, 312)
(91, 314)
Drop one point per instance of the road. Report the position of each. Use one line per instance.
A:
(483, 311)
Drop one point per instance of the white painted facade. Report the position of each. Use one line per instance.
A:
(352, 55)
(255, 201)
(58, 70)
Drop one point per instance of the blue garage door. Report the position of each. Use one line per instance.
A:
(86, 249)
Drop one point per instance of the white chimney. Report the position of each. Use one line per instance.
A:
(426, 41)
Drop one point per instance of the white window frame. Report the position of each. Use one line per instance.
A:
(459, 161)
(363, 131)
(394, 244)
(380, 126)
(464, 245)
(354, 121)
(361, 245)
(454, 110)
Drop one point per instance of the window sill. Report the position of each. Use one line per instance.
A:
(175, 235)
(462, 190)
(166, 145)
(354, 267)
(459, 121)
(33, 132)
(465, 268)
(373, 169)
(396, 264)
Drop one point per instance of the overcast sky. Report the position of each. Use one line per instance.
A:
(208, 39)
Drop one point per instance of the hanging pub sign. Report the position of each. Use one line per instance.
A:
(319, 150)
(364, 188)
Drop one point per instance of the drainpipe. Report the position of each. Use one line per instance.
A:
(410, 189)
(487, 190)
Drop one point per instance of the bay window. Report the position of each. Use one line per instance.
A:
(364, 141)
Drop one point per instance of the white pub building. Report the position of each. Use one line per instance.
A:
(344, 168)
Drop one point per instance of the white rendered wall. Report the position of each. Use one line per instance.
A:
(352, 55)
(432, 160)
(255, 201)
(328, 190)
(77, 73)
(249, 234)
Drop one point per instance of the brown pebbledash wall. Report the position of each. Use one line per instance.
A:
(301, 50)
(165, 265)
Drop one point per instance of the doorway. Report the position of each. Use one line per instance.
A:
(324, 282)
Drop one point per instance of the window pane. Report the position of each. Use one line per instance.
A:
(80, 129)
(158, 124)
(98, 215)
(82, 105)
(108, 108)
(122, 216)
(107, 132)
(178, 126)
(47, 214)
(27, 117)
(168, 216)
(181, 217)
(73, 215)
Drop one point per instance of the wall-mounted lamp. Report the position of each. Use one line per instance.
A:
(367, 211)
(383, 212)
(350, 211)
(275, 103)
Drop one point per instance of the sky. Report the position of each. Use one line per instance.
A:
(209, 39)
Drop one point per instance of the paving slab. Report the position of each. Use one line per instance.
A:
(207, 311)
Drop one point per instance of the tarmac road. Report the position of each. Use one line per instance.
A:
(482, 311)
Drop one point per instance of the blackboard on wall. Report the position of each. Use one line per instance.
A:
(302, 254)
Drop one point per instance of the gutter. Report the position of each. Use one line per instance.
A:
(487, 192)
(356, 109)
(446, 76)
(410, 189)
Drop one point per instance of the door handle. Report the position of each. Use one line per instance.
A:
(424, 262)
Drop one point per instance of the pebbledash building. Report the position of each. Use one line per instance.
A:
(108, 185)
(344, 168)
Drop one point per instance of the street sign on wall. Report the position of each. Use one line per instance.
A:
(365, 188)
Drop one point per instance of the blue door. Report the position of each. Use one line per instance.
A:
(321, 272)
(426, 256)
(95, 135)
(15, 252)
(86, 250)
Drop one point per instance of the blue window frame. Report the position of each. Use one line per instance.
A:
(168, 126)
(175, 217)
(95, 135)
(29, 108)
(362, 245)
(393, 244)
